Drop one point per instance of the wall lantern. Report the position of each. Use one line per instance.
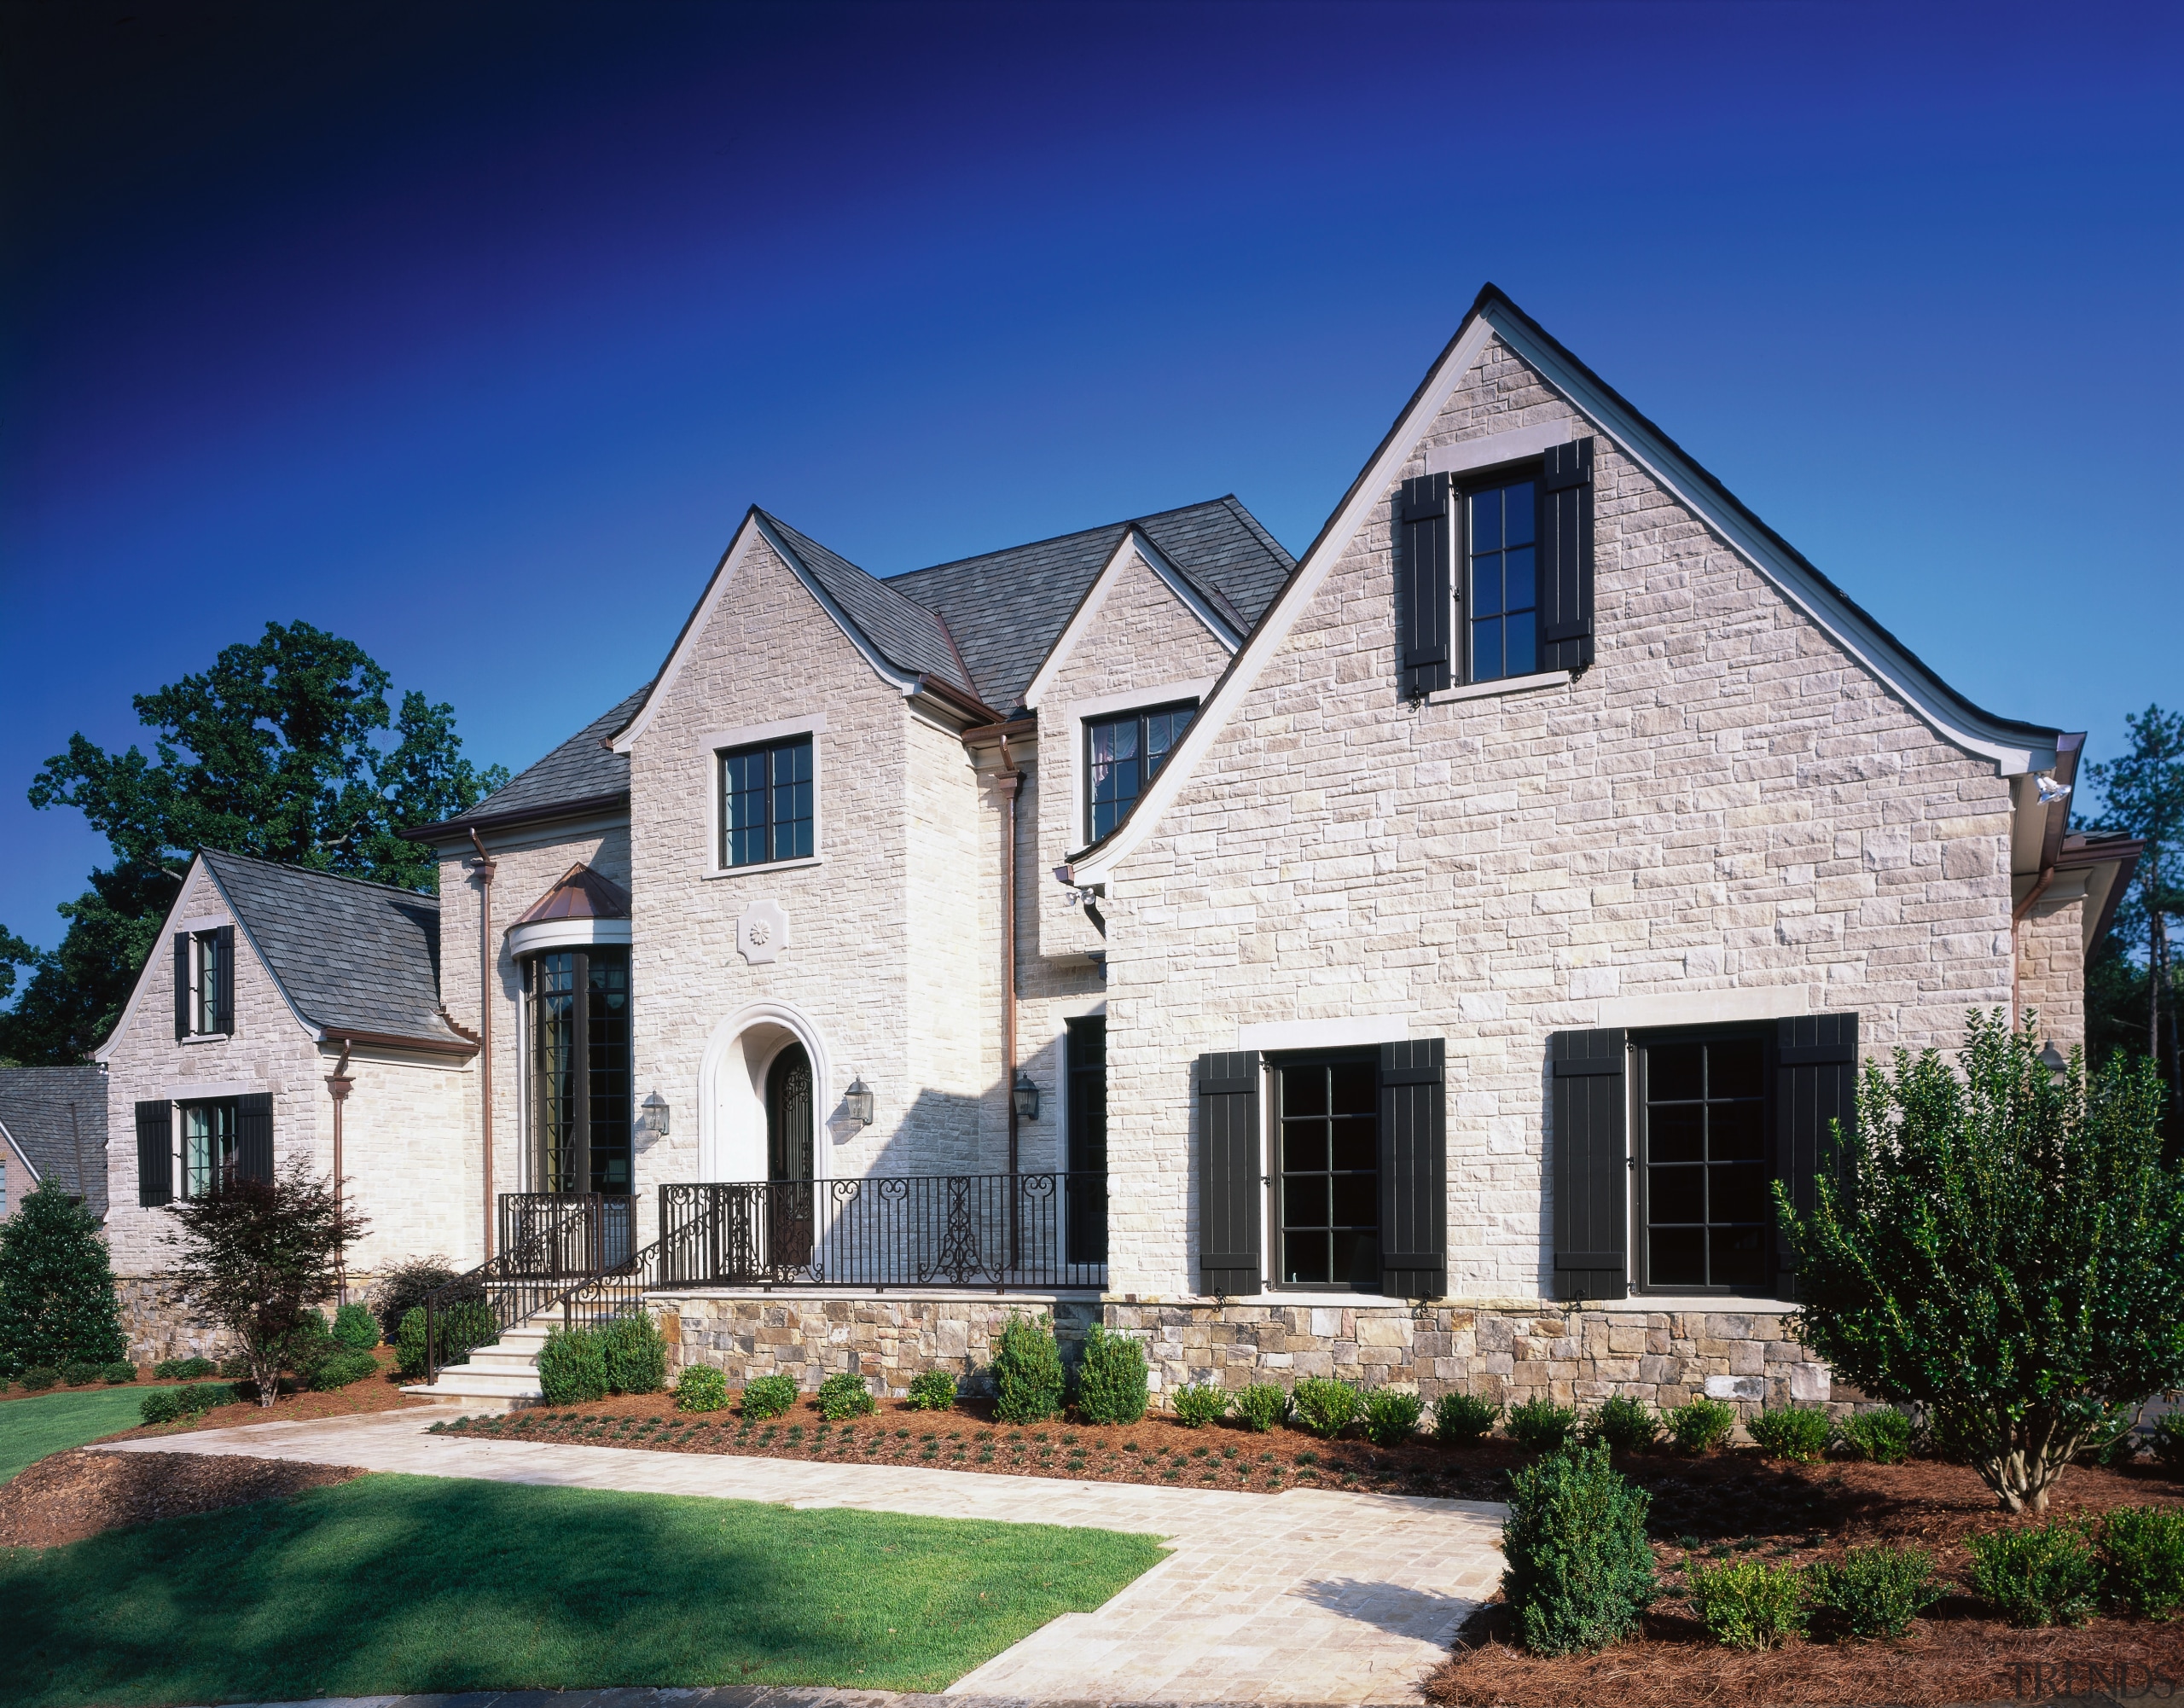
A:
(1027, 1097)
(652, 1115)
(859, 1099)
(2059, 1069)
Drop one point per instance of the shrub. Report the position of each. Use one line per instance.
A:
(461, 1326)
(1261, 1406)
(1746, 1603)
(182, 1369)
(1459, 1419)
(1884, 1436)
(2001, 1247)
(355, 1327)
(164, 1405)
(403, 1287)
(39, 1377)
(1625, 1424)
(1325, 1407)
(114, 1374)
(81, 1373)
(636, 1354)
(1700, 1425)
(933, 1390)
(1579, 1572)
(1197, 1405)
(1391, 1416)
(2042, 1576)
(2167, 1441)
(844, 1394)
(1541, 1425)
(1876, 1592)
(57, 1303)
(702, 1388)
(2142, 1548)
(338, 1369)
(1110, 1378)
(571, 1364)
(768, 1396)
(1797, 1432)
(1027, 1373)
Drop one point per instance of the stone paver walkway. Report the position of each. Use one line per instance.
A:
(1308, 1596)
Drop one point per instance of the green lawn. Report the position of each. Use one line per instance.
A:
(48, 1423)
(397, 1584)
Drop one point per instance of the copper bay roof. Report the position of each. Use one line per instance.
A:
(581, 894)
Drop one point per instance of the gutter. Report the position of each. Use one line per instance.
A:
(347, 1036)
(2068, 747)
(455, 829)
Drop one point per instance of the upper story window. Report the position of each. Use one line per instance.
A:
(205, 983)
(766, 803)
(1502, 581)
(1123, 753)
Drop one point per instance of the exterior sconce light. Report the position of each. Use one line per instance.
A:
(859, 1099)
(2052, 1059)
(1026, 1095)
(653, 1115)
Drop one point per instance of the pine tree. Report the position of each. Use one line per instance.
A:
(57, 1302)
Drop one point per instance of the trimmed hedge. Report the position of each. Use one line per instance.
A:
(571, 1364)
(636, 1354)
(165, 1405)
(1027, 1373)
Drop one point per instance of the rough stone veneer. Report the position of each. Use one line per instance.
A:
(2051, 968)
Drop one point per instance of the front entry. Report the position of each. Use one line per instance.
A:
(788, 1158)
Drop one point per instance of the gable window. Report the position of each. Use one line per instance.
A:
(766, 802)
(209, 1153)
(581, 1122)
(1122, 754)
(205, 983)
(1502, 581)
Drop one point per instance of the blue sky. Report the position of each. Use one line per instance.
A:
(468, 333)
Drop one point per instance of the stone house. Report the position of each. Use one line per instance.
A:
(1412, 962)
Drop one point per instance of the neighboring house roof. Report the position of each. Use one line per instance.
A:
(56, 1117)
(583, 774)
(581, 894)
(353, 959)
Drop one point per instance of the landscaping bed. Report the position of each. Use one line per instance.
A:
(81, 1493)
(380, 1393)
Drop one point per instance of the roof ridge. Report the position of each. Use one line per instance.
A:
(1055, 539)
(879, 581)
(1242, 511)
(315, 872)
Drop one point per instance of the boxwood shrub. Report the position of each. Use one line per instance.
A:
(1027, 1373)
(1580, 1573)
(1197, 1405)
(1628, 1426)
(1699, 1424)
(1746, 1604)
(1460, 1419)
(1795, 1432)
(1876, 1592)
(1885, 1436)
(1541, 1425)
(1111, 1378)
(1391, 1416)
(182, 1369)
(1262, 1406)
(703, 1387)
(120, 1371)
(355, 1327)
(636, 1354)
(2038, 1574)
(1325, 1407)
(933, 1390)
(164, 1405)
(338, 1370)
(2142, 1552)
(571, 1364)
(844, 1394)
(768, 1396)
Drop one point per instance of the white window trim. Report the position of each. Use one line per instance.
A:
(1341, 1034)
(1080, 712)
(1517, 445)
(1501, 685)
(713, 746)
(566, 933)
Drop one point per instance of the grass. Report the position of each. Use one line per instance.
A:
(414, 1584)
(52, 1423)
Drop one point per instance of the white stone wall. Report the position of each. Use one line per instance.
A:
(1724, 803)
(2050, 966)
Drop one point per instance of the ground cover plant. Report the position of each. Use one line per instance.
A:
(50, 1423)
(329, 1595)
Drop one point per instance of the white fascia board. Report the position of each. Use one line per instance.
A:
(1088, 611)
(2011, 752)
(1273, 629)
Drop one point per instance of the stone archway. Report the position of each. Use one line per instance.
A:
(732, 1087)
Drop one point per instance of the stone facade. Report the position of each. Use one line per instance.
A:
(2051, 964)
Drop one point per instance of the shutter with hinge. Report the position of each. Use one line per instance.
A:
(1592, 1218)
(1425, 565)
(182, 1017)
(254, 1137)
(224, 953)
(1414, 1170)
(154, 1154)
(1229, 1187)
(1817, 1083)
(1565, 557)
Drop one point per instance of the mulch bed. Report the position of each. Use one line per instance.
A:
(382, 1393)
(81, 1492)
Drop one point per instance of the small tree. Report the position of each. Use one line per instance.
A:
(2001, 1249)
(257, 1257)
(56, 1288)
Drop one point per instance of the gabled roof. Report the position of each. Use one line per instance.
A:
(579, 893)
(908, 636)
(352, 958)
(2014, 747)
(583, 775)
(56, 1117)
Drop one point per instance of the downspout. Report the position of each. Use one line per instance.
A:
(484, 868)
(339, 1083)
(1010, 780)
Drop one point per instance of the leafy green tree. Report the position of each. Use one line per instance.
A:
(57, 1303)
(2003, 1250)
(285, 749)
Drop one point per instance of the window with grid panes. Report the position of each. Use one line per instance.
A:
(1122, 754)
(208, 1147)
(766, 802)
(1501, 581)
(1327, 1180)
(1703, 1166)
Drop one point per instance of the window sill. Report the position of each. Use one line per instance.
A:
(1507, 684)
(762, 865)
(1720, 1304)
(206, 1037)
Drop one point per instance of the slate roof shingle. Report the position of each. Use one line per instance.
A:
(582, 769)
(34, 1107)
(907, 634)
(352, 956)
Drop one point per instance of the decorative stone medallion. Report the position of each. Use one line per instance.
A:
(763, 932)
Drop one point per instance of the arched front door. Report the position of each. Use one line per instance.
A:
(788, 1158)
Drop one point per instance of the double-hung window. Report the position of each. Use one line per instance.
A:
(767, 806)
(1122, 754)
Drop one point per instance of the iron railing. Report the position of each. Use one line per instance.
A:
(548, 1241)
(569, 1234)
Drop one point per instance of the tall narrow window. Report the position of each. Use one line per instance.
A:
(1122, 754)
(1327, 1187)
(206, 966)
(580, 1069)
(1706, 1214)
(1501, 582)
(208, 1147)
(1086, 1207)
(766, 802)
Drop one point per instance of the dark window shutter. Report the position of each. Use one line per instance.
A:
(1816, 1082)
(1592, 1218)
(154, 1154)
(254, 1137)
(1565, 568)
(1229, 1187)
(1425, 565)
(225, 953)
(1414, 1170)
(182, 1015)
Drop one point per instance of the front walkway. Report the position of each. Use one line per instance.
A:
(1308, 1596)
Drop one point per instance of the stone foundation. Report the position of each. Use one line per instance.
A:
(157, 1328)
(1508, 1352)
